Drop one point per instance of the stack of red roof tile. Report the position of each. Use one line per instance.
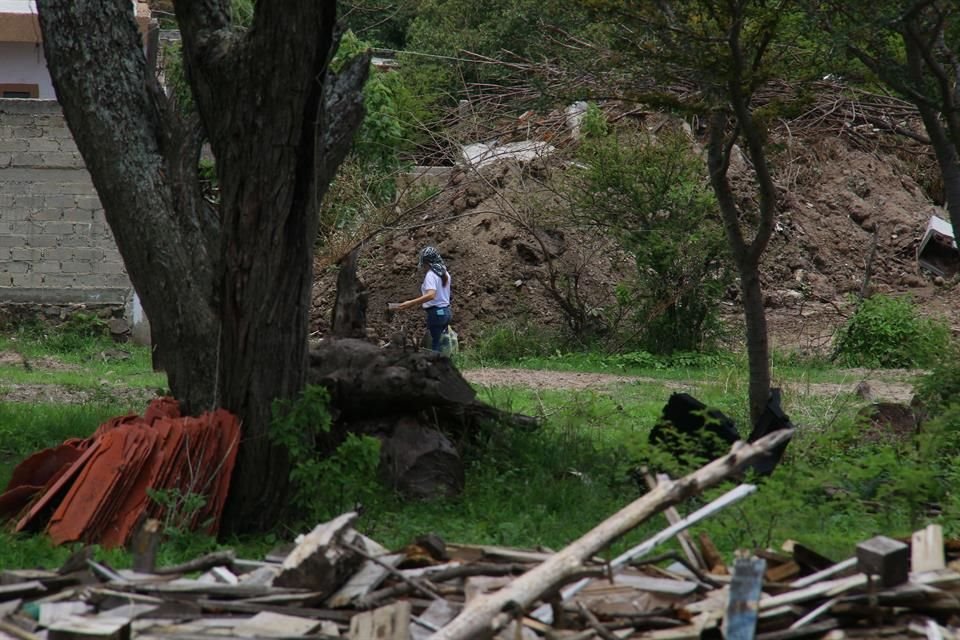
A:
(97, 490)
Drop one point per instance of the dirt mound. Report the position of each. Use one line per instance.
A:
(836, 202)
(836, 199)
(500, 261)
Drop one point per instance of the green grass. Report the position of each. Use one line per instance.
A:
(548, 487)
(82, 362)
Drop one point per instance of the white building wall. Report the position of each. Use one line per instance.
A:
(23, 63)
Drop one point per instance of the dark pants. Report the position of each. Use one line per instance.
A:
(438, 319)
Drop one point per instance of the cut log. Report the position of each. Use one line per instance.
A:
(486, 615)
(420, 462)
(320, 562)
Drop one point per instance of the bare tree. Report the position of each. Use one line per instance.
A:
(226, 289)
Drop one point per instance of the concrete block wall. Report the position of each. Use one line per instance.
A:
(55, 245)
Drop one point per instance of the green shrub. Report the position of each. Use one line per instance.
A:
(322, 487)
(512, 341)
(890, 333)
(652, 196)
(941, 386)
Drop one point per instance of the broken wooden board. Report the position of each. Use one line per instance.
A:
(439, 613)
(50, 612)
(275, 625)
(321, 562)
(740, 621)
(662, 586)
(847, 565)
(391, 622)
(21, 590)
(926, 550)
(370, 576)
(826, 588)
(77, 628)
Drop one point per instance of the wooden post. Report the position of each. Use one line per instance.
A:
(884, 557)
(926, 550)
(740, 621)
(143, 546)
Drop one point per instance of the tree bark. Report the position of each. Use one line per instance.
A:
(350, 308)
(227, 295)
(747, 258)
(758, 346)
(127, 134)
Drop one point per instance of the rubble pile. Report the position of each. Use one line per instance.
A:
(97, 489)
(336, 582)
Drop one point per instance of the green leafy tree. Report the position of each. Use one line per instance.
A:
(652, 194)
(717, 53)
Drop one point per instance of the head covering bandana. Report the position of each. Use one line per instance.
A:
(432, 257)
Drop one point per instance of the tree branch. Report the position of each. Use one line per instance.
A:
(339, 116)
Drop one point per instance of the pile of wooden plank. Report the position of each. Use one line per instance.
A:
(335, 582)
(97, 489)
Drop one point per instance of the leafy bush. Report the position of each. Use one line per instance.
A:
(322, 487)
(889, 332)
(651, 195)
(512, 341)
(941, 386)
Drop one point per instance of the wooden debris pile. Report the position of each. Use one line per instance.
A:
(96, 489)
(336, 582)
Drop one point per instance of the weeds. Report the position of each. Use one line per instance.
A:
(890, 332)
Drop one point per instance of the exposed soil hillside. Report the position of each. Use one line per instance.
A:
(836, 194)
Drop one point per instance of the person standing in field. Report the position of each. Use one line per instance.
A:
(434, 295)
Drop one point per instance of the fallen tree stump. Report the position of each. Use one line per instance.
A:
(420, 462)
(366, 381)
(417, 404)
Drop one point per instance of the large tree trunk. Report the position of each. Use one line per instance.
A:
(228, 295)
(129, 140)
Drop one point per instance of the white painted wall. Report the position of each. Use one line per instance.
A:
(23, 63)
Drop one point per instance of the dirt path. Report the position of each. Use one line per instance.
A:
(883, 385)
(881, 389)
